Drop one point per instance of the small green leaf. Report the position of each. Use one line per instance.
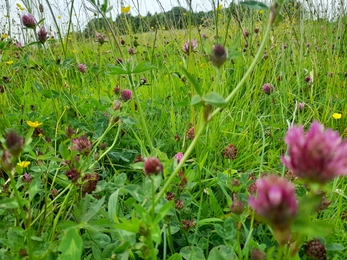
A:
(255, 5)
(113, 205)
(192, 80)
(175, 256)
(143, 214)
(214, 99)
(162, 212)
(221, 253)
(34, 187)
(143, 66)
(196, 99)
(71, 245)
(192, 253)
(136, 192)
(334, 247)
(116, 70)
(11, 203)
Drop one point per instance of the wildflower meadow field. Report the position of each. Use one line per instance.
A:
(181, 134)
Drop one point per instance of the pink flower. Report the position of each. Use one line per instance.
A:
(101, 38)
(28, 21)
(153, 166)
(190, 46)
(42, 35)
(219, 55)
(82, 145)
(316, 156)
(82, 68)
(178, 157)
(276, 201)
(126, 94)
(268, 88)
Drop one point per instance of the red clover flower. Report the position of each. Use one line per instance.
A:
(28, 21)
(318, 155)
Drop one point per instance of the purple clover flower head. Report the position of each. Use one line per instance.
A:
(131, 51)
(190, 46)
(14, 144)
(268, 88)
(126, 94)
(82, 68)
(42, 35)
(27, 178)
(276, 202)
(100, 38)
(246, 33)
(178, 157)
(19, 45)
(28, 21)
(203, 35)
(218, 56)
(318, 155)
(153, 166)
(82, 145)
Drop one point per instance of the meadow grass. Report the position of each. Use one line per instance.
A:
(86, 193)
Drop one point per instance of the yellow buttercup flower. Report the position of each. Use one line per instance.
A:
(219, 7)
(261, 11)
(19, 5)
(4, 36)
(6, 16)
(337, 115)
(33, 124)
(125, 9)
(22, 8)
(59, 16)
(23, 164)
(9, 62)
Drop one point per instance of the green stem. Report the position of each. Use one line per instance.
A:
(108, 149)
(62, 206)
(22, 212)
(142, 118)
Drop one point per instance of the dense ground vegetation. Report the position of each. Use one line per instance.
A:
(167, 140)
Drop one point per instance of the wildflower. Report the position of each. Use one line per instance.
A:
(177, 137)
(230, 152)
(89, 183)
(153, 166)
(170, 196)
(219, 55)
(125, 10)
(256, 30)
(4, 36)
(14, 144)
(119, 60)
(28, 21)
(219, 7)
(82, 145)
(317, 156)
(27, 178)
(138, 159)
(117, 105)
(178, 157)
(69, 132)
(191, 133)
(10, 62)
(186, 224)
(315, 250)
(237, 206)
(276, 202)
(126, 94)
(190, 46)
(122, 41)
(116, 90)
(23, 164)
(42, 35)
(72, 174)
(33, 124)
(143, 81)
(258, 255)
(131, 51)
(179, 204)
(246, 33)
(301, 106)
(203, 35)
(268, 88)
(59, 16)
(337, 115)
(6, 161)
(308, 79)
(100, 38)
(82, 68)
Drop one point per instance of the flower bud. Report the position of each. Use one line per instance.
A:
(219, 55)
(14, 144)
(153, 166)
